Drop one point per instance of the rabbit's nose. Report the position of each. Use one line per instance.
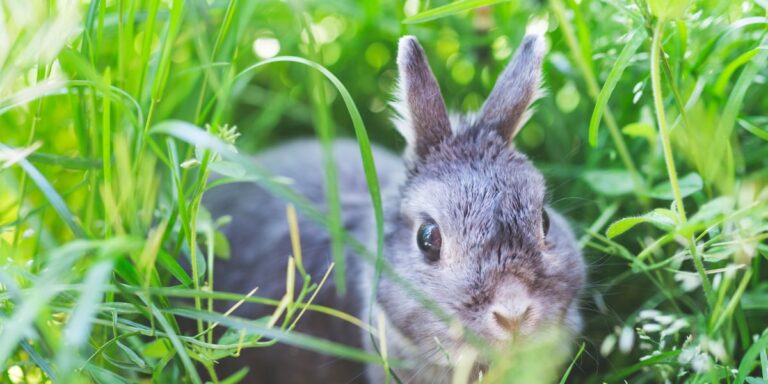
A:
(510, 319)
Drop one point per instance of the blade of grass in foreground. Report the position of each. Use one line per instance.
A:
(37, 298)
(291, 338)
(39, 360)
(449, 9)
(325, 132)
(369, 166)
(195, 136)
(174, 338)
(746, 365)
(57, 88)
(79, 325)
(573, 362)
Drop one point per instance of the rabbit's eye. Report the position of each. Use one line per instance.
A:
(429, 241)
(544, 221)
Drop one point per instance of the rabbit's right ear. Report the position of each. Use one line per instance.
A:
(506, 109)
(423, 118)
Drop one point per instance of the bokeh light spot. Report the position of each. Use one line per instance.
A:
(377, 55)
(567, 98)
(266, 47)
(462, 71)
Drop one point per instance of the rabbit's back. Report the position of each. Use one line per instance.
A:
(260, 246)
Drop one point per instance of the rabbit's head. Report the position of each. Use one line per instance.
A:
(471, 231)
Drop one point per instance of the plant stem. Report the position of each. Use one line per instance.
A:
(661, 118)
(658, 102)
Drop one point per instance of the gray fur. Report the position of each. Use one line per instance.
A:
(517, 87)
(422, 109)
(487, 199)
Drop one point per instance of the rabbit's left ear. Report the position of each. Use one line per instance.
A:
(423, 118)
(506, 109)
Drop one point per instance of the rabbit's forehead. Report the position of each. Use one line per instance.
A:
(477, 197)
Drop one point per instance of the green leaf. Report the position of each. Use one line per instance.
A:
(643, 130)
(661, 358)
(236, 377)
(754, 129)
(234, 336)
(173, 337)
(157, 349)
(79, 325)
(755, 300)
(449, 9)
(623, 225)
(133, 356)
(745, 367)
(716, 151)
(573, 362)
(102, 375)
(661, 218)
(635, 39)
(689, 184)
(668, 9)
(39, 360)
(64, 161)
(127, 271)
(227, 168)
(725, 74)
(713, 209)
(609, 182)
(172, 266)
(221, 246)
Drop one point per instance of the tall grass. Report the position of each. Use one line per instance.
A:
(114, 113)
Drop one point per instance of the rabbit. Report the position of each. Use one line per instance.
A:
(466, 223)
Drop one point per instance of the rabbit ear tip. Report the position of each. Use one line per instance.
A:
(534, 43)
(537, 28)
(407, 43)
(409, 51)
(535, 32)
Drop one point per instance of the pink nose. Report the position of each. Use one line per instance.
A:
(510, 319)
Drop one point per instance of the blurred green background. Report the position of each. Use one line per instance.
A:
(157, 61)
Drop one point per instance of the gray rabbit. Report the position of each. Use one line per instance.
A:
(466, 223)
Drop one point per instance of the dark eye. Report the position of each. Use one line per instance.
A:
(545, 221)
(429, 241)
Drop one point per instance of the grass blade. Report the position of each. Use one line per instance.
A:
(746, 364)
(369, 165)
(635, 39)
(175, 341)
(291, 338)
(754, 129)
(449, 9)
(78, 328)
(50, 193)
(573, 362)
(732, 107)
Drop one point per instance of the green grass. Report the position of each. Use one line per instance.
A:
(653, 138)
